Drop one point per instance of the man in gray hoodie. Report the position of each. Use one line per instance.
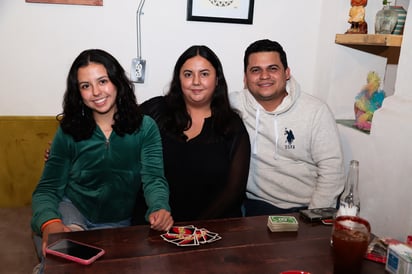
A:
(296, 159)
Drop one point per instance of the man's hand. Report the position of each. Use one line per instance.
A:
(49, 229)
(161, 220)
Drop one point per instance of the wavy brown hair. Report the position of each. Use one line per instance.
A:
(77, 119)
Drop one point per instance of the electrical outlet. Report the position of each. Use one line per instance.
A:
(137, 71)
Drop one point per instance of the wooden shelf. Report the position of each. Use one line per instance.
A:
(385, 45)
(350, 124)
(386, 40)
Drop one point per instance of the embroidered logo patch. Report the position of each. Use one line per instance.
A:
(289, 139)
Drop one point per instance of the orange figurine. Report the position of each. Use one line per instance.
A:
(357, 17)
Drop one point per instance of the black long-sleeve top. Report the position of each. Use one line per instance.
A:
(207, 175)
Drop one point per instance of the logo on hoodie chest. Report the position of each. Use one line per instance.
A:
(290, 138)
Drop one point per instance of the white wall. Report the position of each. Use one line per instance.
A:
(388, 184)
(39, 42)
(385, 155)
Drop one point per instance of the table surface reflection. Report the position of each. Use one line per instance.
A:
(247, 246)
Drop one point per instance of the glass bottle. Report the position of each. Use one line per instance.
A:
(386, 19)
(349, 200)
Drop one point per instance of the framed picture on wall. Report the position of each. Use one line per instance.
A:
(69, 2)
(221, 11)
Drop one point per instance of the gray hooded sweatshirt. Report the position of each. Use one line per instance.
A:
(296, 155)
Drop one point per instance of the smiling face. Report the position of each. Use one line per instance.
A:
(266, 77)
(96, 89)
(198, 81)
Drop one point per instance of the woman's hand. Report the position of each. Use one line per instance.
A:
(161, 220)
(47, 152)
(49, 229)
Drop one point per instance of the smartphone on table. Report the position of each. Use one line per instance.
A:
(75, 251)
(318, 214)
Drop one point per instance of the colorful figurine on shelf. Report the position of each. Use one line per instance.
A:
(357, 17)
(367, 101)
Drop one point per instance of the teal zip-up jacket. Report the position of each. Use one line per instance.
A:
(102, 176)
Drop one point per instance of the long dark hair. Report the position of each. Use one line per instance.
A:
(178, 119)
(77, 119)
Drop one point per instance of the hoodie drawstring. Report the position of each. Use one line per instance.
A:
(276, 131)
(275, 124)
(254, 150)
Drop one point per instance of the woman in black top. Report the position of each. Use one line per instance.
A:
(206, 147)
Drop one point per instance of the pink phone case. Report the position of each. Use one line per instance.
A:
(75, 251)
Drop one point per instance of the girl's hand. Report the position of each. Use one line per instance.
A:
(161, 220)
(50, 229)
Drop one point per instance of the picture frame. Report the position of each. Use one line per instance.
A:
(69, 2)
(220, 11)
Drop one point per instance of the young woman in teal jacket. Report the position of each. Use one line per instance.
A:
(103, 152)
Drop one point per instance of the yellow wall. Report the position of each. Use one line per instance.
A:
(23, 140)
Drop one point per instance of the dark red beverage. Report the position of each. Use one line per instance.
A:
(350, 241)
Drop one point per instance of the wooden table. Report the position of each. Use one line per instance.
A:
(247, 246)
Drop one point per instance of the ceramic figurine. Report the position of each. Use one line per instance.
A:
(367, 101)
(357, 17)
